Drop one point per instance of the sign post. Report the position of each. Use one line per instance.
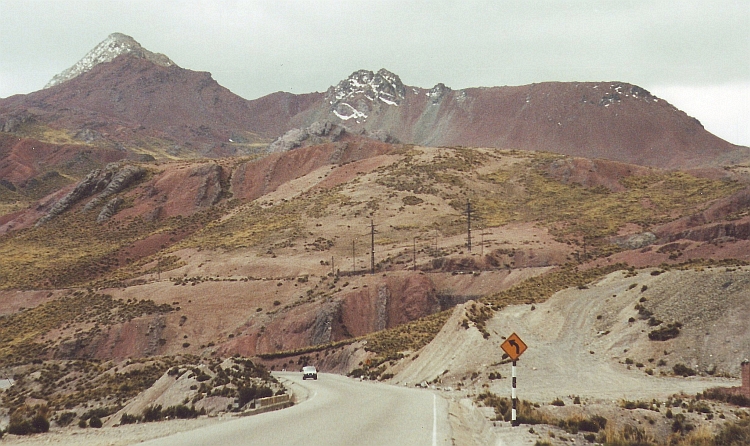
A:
(514, 348)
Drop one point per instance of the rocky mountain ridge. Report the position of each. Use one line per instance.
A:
(125, 97)
(349, 98)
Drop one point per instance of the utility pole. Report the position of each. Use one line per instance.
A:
(481, 253)
(372, 247)
(468, 220)
(415, 253)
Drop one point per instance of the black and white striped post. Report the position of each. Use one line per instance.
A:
(513, 421)
(513, 348)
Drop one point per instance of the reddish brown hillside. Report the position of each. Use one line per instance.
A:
(614, 121)
(254, 179)
(168, 111)
(132, 99)
(26, 163)
(610, 120)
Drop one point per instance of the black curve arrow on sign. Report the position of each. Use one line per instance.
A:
(515, 344)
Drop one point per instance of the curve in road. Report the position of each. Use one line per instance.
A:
(338, 411)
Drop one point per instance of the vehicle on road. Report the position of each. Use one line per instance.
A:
(309, 371)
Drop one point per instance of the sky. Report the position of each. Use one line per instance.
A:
(693, 53)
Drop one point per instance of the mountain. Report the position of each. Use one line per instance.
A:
(122, 96)
(610, 120)
(125, 97)
(114, 45)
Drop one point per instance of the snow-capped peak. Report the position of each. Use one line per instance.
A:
(114, 45)
(354, 96)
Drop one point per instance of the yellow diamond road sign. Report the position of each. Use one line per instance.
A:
(513, 346)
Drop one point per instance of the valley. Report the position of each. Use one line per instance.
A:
(150, 260)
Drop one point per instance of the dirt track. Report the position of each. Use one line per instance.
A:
(581, 342)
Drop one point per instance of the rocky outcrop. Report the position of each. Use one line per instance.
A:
(317, 133)
(109, 209)
(210, 189)
(255, 178)
(12, 123)
(635, 241)
(392, 301)
(106, 182)
(91, 183)
(437, 93)
(119, 181)
(385, 303)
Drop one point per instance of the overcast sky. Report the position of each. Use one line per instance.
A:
(695, 54)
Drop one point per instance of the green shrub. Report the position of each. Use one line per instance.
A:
(40, 423)
(19, 427)
(65, 418)
(630, 405)
(734, 434)
(100, 412)
(180, 411)
(95, 422)
(719, 395)
(593, 424)
(152, 413)
(665, 333)
(680, 426)
(526, 412)
(25, 421)
(682, 369)
(156, 413)
(129, 419)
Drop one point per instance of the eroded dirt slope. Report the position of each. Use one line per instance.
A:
(594, 343)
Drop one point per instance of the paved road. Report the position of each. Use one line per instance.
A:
(338, 411)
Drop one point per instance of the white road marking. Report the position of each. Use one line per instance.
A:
(434, 420)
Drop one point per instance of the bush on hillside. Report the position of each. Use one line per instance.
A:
(129, 419)
(95, 422)
(665, 333)
(25, 421)
(734, 434)
(683, 370)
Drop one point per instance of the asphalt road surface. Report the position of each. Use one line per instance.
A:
(338, 411)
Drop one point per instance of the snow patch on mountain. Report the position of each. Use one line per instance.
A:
(346, 112)
(114, 45)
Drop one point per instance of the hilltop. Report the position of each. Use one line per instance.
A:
(278, 247)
